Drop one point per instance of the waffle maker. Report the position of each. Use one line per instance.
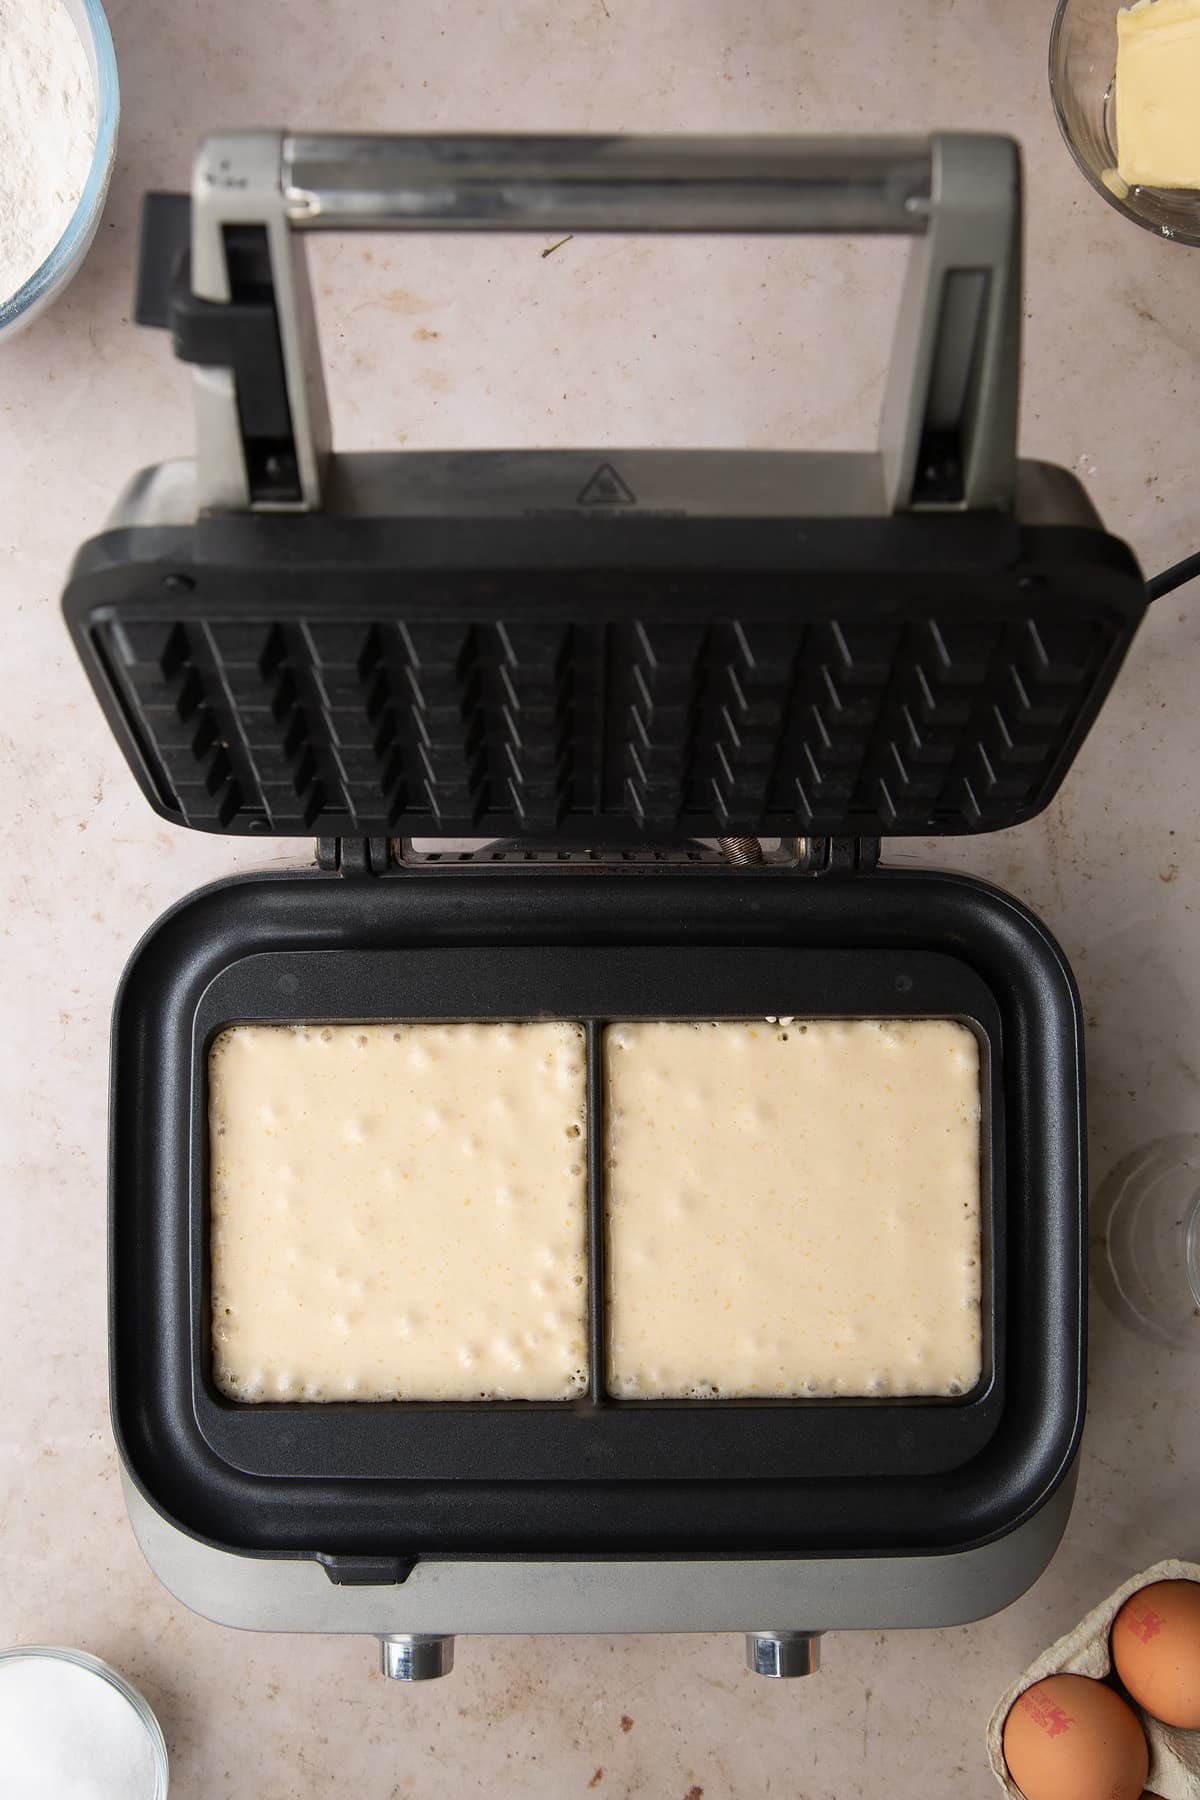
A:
(677, 697)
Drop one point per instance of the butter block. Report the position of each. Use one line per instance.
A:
(1158, 94)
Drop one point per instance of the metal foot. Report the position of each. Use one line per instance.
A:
(416, 1656)
(783, 1654)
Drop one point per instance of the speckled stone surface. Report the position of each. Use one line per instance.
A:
(604, 342)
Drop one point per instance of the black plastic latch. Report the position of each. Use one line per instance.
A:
(367, 1571)
(241, 334)
(163, 255)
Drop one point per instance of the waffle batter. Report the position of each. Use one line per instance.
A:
(793, 1209)
(398, 1212)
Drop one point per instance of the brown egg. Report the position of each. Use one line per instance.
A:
(1156, 1650)
(1070, 1738)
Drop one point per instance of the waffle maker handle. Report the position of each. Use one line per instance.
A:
(951, 393)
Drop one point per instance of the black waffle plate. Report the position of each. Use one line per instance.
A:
(639, 679)
(601, 1476)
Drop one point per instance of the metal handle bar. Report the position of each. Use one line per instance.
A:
(630, 184)
(951, 396)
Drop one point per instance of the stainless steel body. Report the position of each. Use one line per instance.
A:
(533, 484)
(800, 1596)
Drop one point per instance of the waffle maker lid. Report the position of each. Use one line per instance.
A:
(597, 647)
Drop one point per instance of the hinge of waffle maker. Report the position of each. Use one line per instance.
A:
(356, 858)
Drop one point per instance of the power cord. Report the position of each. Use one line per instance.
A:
(1174, 577)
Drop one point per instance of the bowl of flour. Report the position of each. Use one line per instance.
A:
(58, 138)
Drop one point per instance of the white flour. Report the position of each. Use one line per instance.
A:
(47, 133)
(67, 1734)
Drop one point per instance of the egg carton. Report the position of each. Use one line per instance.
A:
(1174, 1755)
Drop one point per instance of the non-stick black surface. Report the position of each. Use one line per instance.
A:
(645, 680)
(515, 1440)
(600, 1475)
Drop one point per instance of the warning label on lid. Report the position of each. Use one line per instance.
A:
(605, 488)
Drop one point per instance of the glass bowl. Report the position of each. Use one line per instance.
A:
(1191, 1250)
(1144, 1223)
(81, 1660)
(1083, 61)
(48, 281)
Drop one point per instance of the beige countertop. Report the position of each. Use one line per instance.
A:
(604, 342)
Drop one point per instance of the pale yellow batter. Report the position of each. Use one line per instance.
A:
(793, 1208)
(399, 1212)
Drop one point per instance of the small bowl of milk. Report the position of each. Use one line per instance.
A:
(59, 107)
(72, 1726)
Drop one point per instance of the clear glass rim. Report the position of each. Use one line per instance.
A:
(1165, 234)
(95, 1665)
(95, 187)
(1191, 1248)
